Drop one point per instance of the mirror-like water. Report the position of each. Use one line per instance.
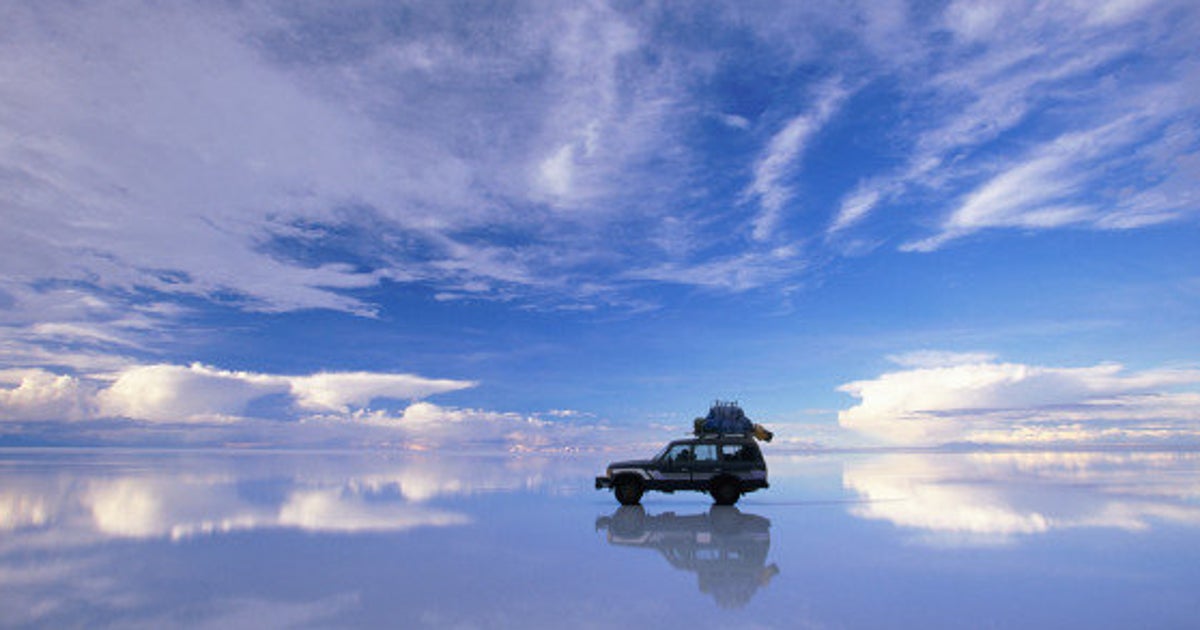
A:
(155, 539)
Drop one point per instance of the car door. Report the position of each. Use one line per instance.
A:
(676, 468)
(705, 464)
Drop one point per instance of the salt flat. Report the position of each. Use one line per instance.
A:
(101, 538)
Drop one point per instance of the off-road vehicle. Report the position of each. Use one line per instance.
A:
(723, 465)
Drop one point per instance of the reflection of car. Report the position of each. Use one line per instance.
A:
(726, 549)
(725, 466)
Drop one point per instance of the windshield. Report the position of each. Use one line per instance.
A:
(663, 451)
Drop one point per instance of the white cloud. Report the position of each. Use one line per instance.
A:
(995, 402)
(1018, 63)
(735, 121)
(739, 273)
(1038, 192)
(424, 425)
(202, 137)
(975, 20)
(339, 391)
(555, 172)
(939, 358)
(36, 394)
(165, 154)
(786, 147)
(172, 162)
(199, 393)
(856, 206)
(174, 393)
(324, 409)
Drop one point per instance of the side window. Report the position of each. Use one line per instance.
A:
(738, 453)
(706, 453)
(680, 454)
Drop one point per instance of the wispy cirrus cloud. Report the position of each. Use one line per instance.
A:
(541, 151)
(1020, 67)
(782, 154)
(173, 161)
(1067, 181)
(737, 273)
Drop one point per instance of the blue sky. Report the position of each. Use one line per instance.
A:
(549, 225)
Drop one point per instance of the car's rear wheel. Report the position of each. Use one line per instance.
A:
(725, 491)
(629, 490)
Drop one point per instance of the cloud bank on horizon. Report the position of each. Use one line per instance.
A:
(935, 399)
(944, 398)
(203, 405)
(167, 165)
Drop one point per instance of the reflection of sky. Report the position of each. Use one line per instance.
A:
(982, 498)
(181, 496)
(104, 538)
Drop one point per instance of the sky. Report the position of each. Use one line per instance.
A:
(532, 225)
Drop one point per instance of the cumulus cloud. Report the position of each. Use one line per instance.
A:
(199, 393)
(201, 404)
(967, 399)
(175, 393)
(42, 395)
(425, 425)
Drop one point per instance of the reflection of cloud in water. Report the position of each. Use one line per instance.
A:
(142, 508)
(61, 513)
(725, 548)
(18, 510)
(190, 495)
(992, 498)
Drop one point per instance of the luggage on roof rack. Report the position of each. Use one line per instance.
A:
(727, 417)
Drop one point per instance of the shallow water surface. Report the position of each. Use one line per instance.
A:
(96, 538)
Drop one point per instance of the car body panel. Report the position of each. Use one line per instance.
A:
(694, 464)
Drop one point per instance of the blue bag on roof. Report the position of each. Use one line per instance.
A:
(726, 417)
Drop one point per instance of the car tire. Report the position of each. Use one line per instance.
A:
(725, 491)
(628, 490)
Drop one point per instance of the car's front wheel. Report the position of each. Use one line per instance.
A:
(725, 491)
(628, 490)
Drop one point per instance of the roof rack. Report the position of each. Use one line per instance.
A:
(721, 435)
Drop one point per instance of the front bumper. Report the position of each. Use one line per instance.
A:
(603, 482)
